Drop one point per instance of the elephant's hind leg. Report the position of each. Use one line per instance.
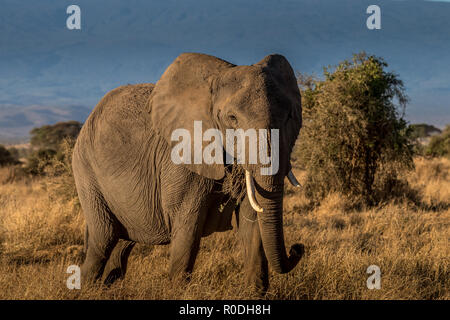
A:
(102, 235)
(116, 266)
(98, 252)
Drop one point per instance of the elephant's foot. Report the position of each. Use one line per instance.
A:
(94, 264)
(112, 276)
(180, 279)
(90, 274)
(257, 288)
(116, 267)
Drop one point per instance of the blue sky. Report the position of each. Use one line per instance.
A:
(44, 64)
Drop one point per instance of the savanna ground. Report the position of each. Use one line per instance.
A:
(41, 234)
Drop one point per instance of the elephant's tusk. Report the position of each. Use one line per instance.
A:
(293, 180)
(251, 192)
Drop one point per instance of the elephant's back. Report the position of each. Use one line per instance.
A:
(115, 125)
(125, 103)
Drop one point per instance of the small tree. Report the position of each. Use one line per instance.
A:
(51, 136)
(49, 140)
(353, 135)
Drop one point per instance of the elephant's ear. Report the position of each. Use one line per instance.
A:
(183, 95)
(284, 77)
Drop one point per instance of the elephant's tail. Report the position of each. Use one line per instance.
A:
(86, 238)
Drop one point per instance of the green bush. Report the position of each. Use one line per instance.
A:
(354, 139)
(38, 160)
(61, 184)
(55, 169)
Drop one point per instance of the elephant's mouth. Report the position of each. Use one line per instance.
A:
(233, 182)
(232, 185)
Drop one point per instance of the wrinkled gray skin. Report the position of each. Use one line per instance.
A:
(131, 191)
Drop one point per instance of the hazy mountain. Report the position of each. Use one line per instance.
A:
(17, 121)
(42, 63)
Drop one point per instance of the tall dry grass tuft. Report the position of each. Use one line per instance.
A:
(60, 183)
(41, 235)
(34, 226)
(432, 180)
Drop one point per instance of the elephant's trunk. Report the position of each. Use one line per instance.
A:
(270, 199)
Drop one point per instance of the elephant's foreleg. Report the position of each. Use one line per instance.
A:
(116, 266)
(184, 247)
(255, 262)
(186, 199)
(186, 235)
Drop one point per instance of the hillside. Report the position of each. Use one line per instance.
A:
(16, 122)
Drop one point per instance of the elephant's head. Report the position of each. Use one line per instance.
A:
(198, 87)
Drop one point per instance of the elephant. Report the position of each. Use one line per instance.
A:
(131, 190)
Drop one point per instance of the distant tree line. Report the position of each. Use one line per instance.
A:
(48, 142)
(422, 131)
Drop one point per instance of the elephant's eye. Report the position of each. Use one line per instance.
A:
(232, 118)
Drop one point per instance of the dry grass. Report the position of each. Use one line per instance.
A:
(40, 236)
